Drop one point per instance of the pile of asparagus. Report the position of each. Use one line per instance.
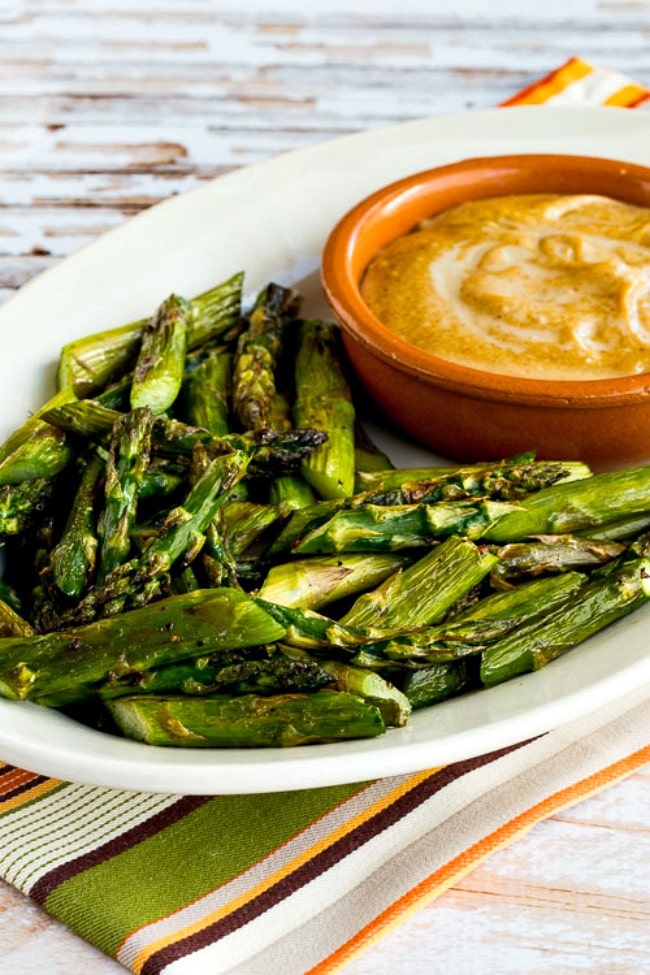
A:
(203, 548)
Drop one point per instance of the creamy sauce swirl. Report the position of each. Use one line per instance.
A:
(537, 285)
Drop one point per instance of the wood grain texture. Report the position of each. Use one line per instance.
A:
(572, 896)
(107, 107)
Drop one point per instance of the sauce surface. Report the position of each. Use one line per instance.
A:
(536, 285)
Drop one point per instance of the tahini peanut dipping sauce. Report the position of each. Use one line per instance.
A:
(537, 285)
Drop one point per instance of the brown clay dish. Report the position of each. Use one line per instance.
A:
(465, 413)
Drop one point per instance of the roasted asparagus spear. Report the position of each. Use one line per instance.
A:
(249, 721)
(69, 665)
(88, 364)
(324, 402)
(258, 351)
(159, 368)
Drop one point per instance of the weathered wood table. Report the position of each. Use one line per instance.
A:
(107, 107)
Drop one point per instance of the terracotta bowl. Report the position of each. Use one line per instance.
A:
(461, 412)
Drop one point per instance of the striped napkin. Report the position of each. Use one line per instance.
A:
(579, 83)
(300, 882)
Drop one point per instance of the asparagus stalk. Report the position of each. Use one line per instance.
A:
(389, 478)
(22, 504)
(436, 683)
(249, 721)
(36, 449)
(83, 418)
(302, 521)
(215, 312)
(161, 479)
(383, 628)
(217, 561)
(87, 364)
(501, 482)
(128, 459)
(40, 595)
(563, 508)
(281, 672)
(422, 593)
(182, 530)
(576, 505)
(525, 600)
(291, 492)
(258, 352)
(142, 579)
(244, 522)
(313, 583)
(440, 644)
(11, 623)
(506, 481)
(378, 528)
(271, 671)
(521, 467)
(392, 704)
(379, 648)
(280, 415)
(323, 401)
(489, 620)
(116, 396)
(620, 530)
(44, 455)
(184, 581)
(69, 665)
(552, 553)
(158, 372)
(308, 630)
(73, 560)
(454, 674)
(373, 528)
(545, 637)
(274, 451)
(33, 424)
(183, 527)
(207, 393)
(217, 558)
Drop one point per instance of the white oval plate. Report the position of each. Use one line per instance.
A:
(271, 220)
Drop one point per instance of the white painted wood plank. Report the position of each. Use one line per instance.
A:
(572, 896)
(94, 114)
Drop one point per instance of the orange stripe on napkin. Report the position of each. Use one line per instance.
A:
(450, 873)
(30, 789)
(552, 84)
(630, 96)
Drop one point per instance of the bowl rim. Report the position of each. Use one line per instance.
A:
(341, 288)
